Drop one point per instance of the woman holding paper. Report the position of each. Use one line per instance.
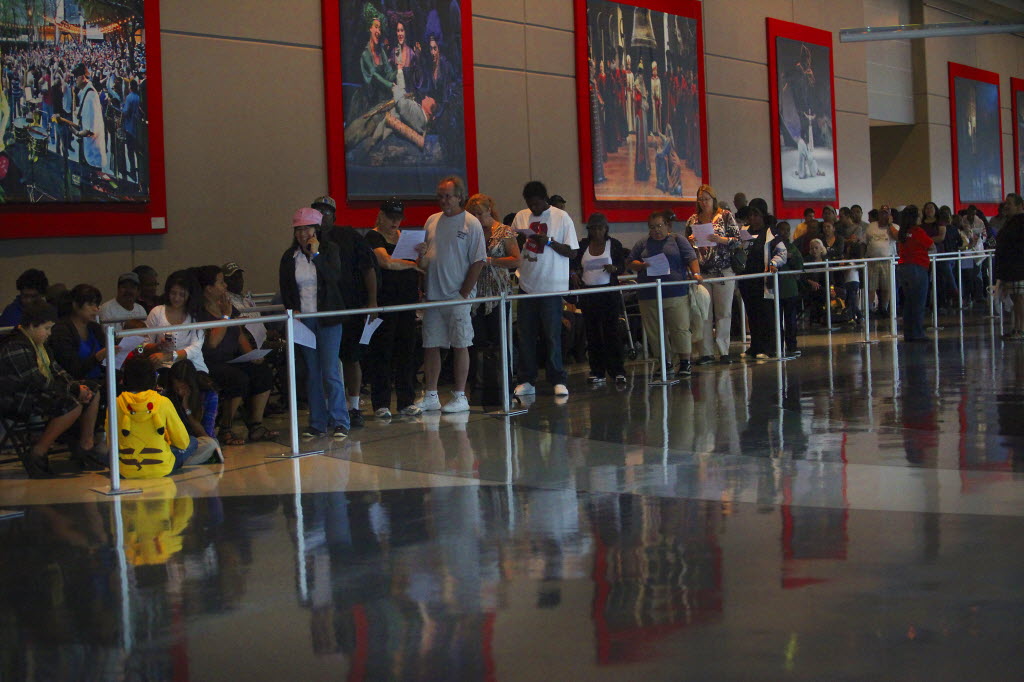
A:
(670, 258)
(598, 263)
(238, 381)
(716, 260)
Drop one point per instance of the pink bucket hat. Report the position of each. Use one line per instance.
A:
(306, 216)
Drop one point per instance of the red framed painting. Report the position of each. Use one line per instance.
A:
(82, 148)
(641, 110)
(976, 131)
(399, 104)
(801, 91)
(1017, 106)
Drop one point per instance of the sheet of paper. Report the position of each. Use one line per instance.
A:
(597, 263)
(746, 236)
(258, 331)
(657, 265)
(124, 348)
(303, 336)
(251, 355)
(405, 249)
(701, 233)
(368, 329)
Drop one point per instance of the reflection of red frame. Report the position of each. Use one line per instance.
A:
(628, 211)
(89, 219)
(1016, 85)
(777, 28)
(971, 73)
(364, 213)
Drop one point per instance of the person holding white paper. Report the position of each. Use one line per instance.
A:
(717, 261)
(391, 361)
(598, 263)
(308, 277)
(675, 304)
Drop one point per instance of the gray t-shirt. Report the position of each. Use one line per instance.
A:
(453, 244)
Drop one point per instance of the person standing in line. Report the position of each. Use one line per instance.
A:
(881, 236)
(756, 296)
(598, 263)
(1009, 265)
(452, 254)
(912, 273)
(544, 268)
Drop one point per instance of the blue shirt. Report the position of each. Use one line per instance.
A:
(12, 314)
(679, 253)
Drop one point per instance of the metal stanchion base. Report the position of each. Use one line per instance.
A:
(664, 382)
(511, 413)
(11, 514)
(110, 492)
(296, 455)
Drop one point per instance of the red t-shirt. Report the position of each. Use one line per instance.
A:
(915, 249)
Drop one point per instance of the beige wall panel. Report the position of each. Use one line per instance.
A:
(739, 151)
(498, 43)
(898, 155)
(550, 51)
(554, 139)
(96, 260)
(509, 10)
(854, 147)
(295, 21)
(502, 132)
(734, 77)
(736, 28)
(941, 167)
(234, 142)
(937, 107)
(553, 13)
(851, 97)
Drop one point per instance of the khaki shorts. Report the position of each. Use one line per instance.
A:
(449, 327)
(878, 275)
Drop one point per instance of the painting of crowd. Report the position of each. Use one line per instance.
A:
(644, 103)
(805, 121)
(403, 96)
(73, 106)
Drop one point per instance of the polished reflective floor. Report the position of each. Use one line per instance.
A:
(856, 513)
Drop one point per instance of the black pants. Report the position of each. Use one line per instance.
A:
(604, 335)
(760, 317)
(241, 379)
(790, 310)
(392, 360)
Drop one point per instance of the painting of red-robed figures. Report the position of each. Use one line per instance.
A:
(645, 103)
(73, 107)
(403, 93)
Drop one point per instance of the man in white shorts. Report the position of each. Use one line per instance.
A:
(453, 253)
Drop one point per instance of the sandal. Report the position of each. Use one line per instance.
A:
(37, 466)
(257, 431)
(227, 437)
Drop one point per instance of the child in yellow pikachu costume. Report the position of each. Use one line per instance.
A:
(147, 425)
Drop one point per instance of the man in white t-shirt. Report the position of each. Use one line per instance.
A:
(544, 267)
(880, 241)
(124, 306)
(453, 253)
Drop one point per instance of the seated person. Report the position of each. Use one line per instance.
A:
(32, 383)
(32, 286)
(77, 339)
(148, 425)
(149, 294)
(195, 399)
(124, 306)
(184, 300)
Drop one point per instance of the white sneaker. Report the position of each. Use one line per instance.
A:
(561, 390)
(383, 413)
(525, 388)
(460, 404)
(429, 403)
(410, 411)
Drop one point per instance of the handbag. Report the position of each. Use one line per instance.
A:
(738, 259)
(700, 302)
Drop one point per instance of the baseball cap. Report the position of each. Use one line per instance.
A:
(392, 207)
(325, 201)
(231, 268)
(128, 277)
(307, 216)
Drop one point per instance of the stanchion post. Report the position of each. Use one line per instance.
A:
(893, 297)
(662, 341)
(865, 307)
(506, 399)
(113, 437)
(991, 284)
(293, 407)
(828, 298)
(960, 284)
(778, 315)
(935, 293)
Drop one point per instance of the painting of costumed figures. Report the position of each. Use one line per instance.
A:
(644, 103)
(805, 121)
(403, 96)
(979, 163)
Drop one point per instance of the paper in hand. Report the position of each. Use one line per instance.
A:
(368, 329)
(745, 236)
(657, 265)
(303, 336)
(124, 348)
(258, 331)
(701, 233)
(597, 263)
(251, 355)
(405, 249)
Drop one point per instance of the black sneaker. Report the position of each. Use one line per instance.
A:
(705, 360)
(684, 369)
(310, 432)
(340, 433)
(355, 419)
(726, 359)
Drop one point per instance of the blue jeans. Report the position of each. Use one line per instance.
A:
(325, 389)
(913, 281)
(537, 316)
